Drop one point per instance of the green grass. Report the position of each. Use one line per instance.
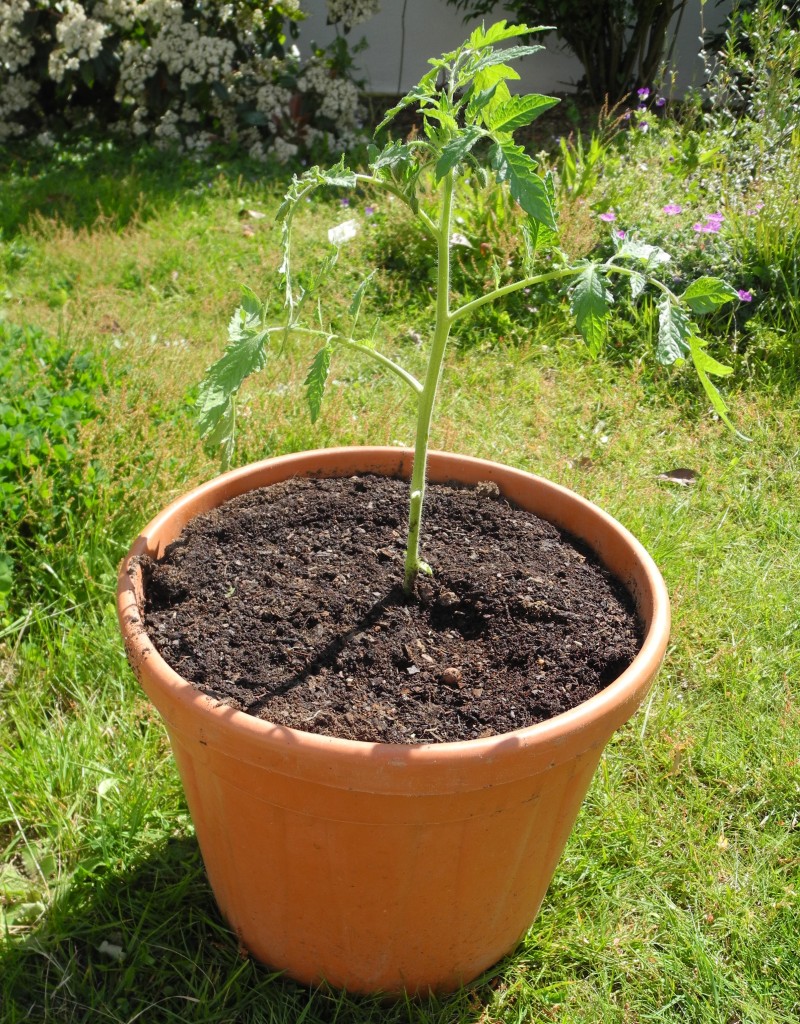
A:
(678, 896)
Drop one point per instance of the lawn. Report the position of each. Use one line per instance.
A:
(678, 896)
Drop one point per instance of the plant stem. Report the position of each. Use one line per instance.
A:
(414, 564)
(508, 289)
(385, 361)
(613, 268)
(389, 364)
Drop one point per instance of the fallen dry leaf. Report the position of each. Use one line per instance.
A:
(684, 477)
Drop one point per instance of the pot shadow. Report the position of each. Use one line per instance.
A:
(147, 943)
(466, 620)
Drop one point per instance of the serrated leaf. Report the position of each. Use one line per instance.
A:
(589, 301)
(316, 380)
(536, 236)
(394, 155)
(245, 320)
(478, 100)
(358, 296)
(512, 164)
(497, 32)
(491, 81)
(244, 355)
(652, 255)
(707, 294)
(251, 303)
(674, 332)
(637, 283)
(705, 364)
(708, 363)
(420, 94)
(339, 176)
(220, 440)
(499, 57)
(519, 111)
(455, 150)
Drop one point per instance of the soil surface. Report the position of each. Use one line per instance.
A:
(287, 603)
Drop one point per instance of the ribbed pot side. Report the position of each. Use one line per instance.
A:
(383, 867)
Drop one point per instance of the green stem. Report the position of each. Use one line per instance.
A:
(614, 268)
(389, 364)
(385, 361)
(508, 289)
(414, 564)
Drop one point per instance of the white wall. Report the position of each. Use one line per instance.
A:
(433, 27)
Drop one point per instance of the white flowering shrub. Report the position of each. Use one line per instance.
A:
(180, 72)
(350, 12)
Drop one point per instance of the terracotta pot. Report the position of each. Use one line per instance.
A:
(382, 867)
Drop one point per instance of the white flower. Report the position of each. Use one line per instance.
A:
(15, 49)
(283, 150)
(351, 12)
(80, 38)
(16, 94)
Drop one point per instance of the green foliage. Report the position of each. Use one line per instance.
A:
(675, 899)
(720, 188)
(49, 390)
(468, 117)
(590, 300)
(184, 75)
(620, 43)
(244, 355)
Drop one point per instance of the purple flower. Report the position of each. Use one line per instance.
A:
(369, 211)
(672, 209)
(626, 116)
(711, 227)
(344, 202)
(717, 218)
(744, 295)
(661, 101)
(643, 93)
(620, 233)
(644, 126)
(608, 217)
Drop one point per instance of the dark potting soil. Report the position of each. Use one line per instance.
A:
(287, 603)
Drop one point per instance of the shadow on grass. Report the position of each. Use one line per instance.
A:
(89, 182)
(148, 944)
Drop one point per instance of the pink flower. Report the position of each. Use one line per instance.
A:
(715, 217)
(608, 217)
(711, 227)
(620, 233)
(744, 295)
(673, 209)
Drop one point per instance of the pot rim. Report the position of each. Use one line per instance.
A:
(617, 701)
